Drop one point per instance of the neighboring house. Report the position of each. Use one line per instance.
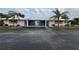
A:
(54, 22)
(14, 22)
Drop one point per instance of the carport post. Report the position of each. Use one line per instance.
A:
(27, 23)
(45, 23)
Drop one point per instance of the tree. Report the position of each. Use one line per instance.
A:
(76, 21)
(7, 16)
(58, 15)
(1, 14)
(1, 21)
(65, 17)
(14, 14)
(72, 22)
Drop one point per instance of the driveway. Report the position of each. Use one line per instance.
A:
(39, 39)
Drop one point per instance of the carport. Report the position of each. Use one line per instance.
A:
(36, 23)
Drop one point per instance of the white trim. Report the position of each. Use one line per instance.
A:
(45, 23)
(36, 26)
(27, 23)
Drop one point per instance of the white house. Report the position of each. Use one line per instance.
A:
(14, 23)
(55, 23)
(26, 23)
(34, 23)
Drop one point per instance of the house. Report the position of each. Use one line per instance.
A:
(14, 22)
(54, 22)
(34, 23)
(25, 23)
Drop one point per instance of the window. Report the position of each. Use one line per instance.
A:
(12, 21)
(60, 22)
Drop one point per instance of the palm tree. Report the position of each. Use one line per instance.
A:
(65, 17)
(76, 21)
(7, 16)
(58, 15)
(1, 16)
(14, 14)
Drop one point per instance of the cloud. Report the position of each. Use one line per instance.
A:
(41, 13)
(73, 12)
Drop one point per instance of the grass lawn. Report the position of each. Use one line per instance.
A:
(74, 27)
(7, 27)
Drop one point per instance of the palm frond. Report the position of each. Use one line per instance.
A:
(53, 16)
(63, 13)
(56, 12)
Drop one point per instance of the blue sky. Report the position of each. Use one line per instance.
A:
(41, 13)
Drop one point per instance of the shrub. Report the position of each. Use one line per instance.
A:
(53, 24)
(6, 24)
(18, 25)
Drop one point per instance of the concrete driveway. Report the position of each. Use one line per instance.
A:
(39, 39)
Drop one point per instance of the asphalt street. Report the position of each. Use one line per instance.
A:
(39, 39)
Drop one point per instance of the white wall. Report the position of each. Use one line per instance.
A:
(21, 23)
(50, 23)
(60, 24)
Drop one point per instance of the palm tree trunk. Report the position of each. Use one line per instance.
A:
(58, 24)
(18, 19)
(13, 24)
(13, 20)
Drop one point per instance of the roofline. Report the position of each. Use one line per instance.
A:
(23, 19)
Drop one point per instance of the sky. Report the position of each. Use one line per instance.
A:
(41, 13)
